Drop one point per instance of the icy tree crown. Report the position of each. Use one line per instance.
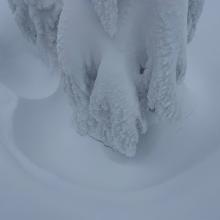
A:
(119, 59)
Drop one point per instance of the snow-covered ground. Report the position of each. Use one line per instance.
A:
(47, 171)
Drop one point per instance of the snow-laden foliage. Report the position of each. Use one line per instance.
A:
(107, 11)
(119, 59)
(194, 12)
(38, 20)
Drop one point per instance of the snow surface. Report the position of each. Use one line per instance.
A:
(50, 172)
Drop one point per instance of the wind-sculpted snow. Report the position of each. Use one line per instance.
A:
(119, 59)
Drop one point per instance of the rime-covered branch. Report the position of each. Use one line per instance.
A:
(119, 58)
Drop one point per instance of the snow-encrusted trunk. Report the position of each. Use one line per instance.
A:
(119, 59)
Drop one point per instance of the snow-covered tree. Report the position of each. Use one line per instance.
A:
(119, 58)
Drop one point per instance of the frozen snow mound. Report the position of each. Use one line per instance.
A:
(115, 69)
